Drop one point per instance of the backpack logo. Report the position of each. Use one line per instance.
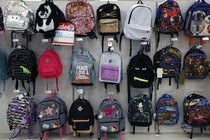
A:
(25, 70)
(80, 108)
(140, 107)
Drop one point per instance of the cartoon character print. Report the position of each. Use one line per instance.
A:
(171, 19)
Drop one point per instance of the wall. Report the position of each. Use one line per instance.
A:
(96, 93)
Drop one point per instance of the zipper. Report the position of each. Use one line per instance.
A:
(133, 10)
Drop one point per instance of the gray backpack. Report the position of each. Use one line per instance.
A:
(110, 118)
(52, 113)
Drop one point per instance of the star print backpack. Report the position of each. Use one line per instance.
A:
(21, 114)
(110, 118)
(52, 113)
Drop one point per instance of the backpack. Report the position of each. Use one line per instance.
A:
(82, 68)
(167, 111)
(110, 68)
(169, 59)
(1, 20)
(21, 114)
(196, 110)
(140, 111)
(140, 72)
(48, 17)
(23, 66)
(136, 28)
(4, 74)
(50, 65)
(195, 65)
(110, 118)
(197, 19)
(52, 113)
(81, 117)
(168, 19)
(108, 21)
(81, 14)
(14, 20)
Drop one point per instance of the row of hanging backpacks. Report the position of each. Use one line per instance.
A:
(196, 113)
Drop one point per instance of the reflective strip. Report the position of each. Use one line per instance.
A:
(140, 79)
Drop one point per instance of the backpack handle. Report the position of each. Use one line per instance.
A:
(49, 1)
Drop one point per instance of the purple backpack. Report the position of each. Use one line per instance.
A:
(21, 114)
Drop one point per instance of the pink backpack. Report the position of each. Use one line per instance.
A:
(50, 65)
(81, 14)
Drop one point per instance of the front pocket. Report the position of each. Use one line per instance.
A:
(137, 32)
(48, 72)
(50, 124)
(81, 125)
(108, 26)
(109, 72)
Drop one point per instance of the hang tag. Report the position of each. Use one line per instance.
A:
(48, 91)
(174, 39)
(79, 39)
(205, 38)
(16, 91)
(80, 91)
(199, 47)
(109, 42)
(15, 40)
(144, 43)
(20, 96)
(45, 40)
(159, 72)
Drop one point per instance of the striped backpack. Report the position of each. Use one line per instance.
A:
(21, 113)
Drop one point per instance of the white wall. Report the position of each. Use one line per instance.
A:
(96, 93)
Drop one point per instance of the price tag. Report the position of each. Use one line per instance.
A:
(48, 91)
(45, 40)
(80, 91)
(79, 39)
(15, 40)
(109, 42)
(144, 43)
(20, 96)
(16, 91)
(205, 38)
(174, 39)
(159, 72)
(199, 46)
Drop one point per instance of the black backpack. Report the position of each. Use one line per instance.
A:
(108, 21)
(48, 16)
(140, 72)
(140, 111)
(23, 66)
(169, 59)
(81, 117)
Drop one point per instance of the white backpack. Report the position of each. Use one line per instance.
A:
(18, 16)
(138, 23)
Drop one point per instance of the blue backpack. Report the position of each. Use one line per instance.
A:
(167, 111)
(3, 67)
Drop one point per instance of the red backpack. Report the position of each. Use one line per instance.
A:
(50, 65)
